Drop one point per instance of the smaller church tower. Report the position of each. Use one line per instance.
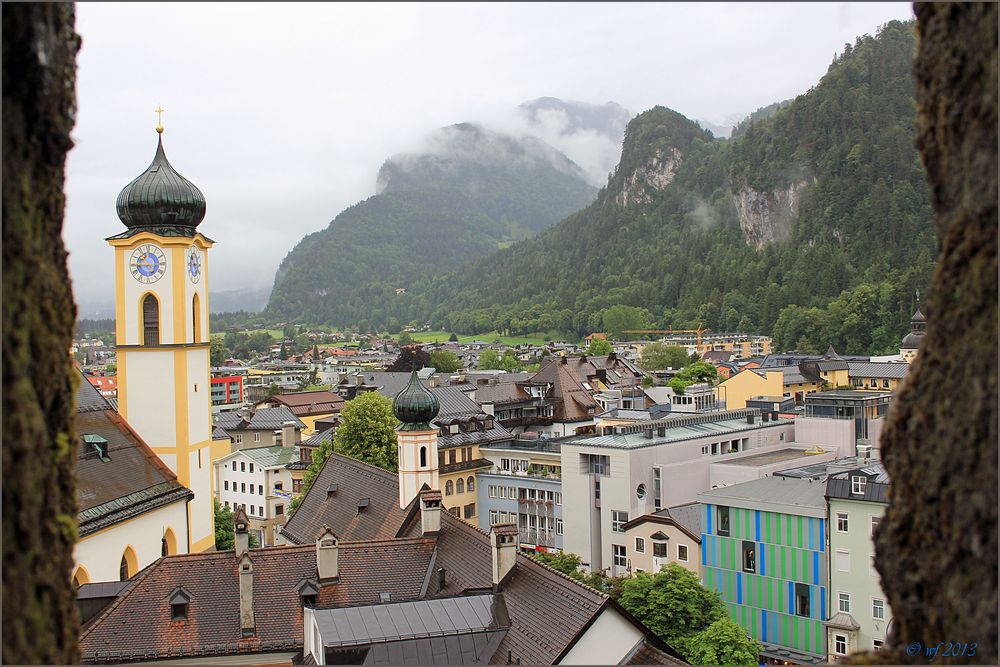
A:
(913, 340)
(416, 439)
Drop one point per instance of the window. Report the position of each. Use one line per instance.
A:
(234, 466)
(494, 517)
(619, 555)
(640, 545)
(802, 600)
(549, 496)
(657, 489)
(150, 320)
(840, 644)
(460, 486)
(296, 486)
(878, 609)
(239, 441)
(841, 522)
(511, 492)
(279, 486)
(423, 457)
(749, 557)
(256, 436)
(449, 488)
(660, 549)
(875, 521)
(559, 527)
(558, 498)
(451, 456)
(440, 458)
(251, 489)
(260, 489)
(225, 485)
(251, 467)
(227, 504)
(598, 465)
(858, 484)
(260, 509)
(243, 487)
(532, 494)
(179, 612)
(243, 466)
(469, 510)
(522, 520)
(723, 513)
(682, 552)
(640, 491)
(492, 488)
(470, 484)
(618, 519)
(279, 510)
(468, 453)
(305, 455)
(877, 644)
(843, 560)
(503, 491)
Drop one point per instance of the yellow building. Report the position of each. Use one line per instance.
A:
(162, 329)
(751, 382)
(653, 541)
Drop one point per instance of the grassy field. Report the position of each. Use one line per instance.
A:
(442, 337)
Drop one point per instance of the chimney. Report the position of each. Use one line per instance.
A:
(289, 434)
(766, 416)
(342, 377)
(661, 431)
(442, 578)
(504, 539)
(245, 565)
(647, 433)
(430, 513)
(774, 416)
(327, 564)
(241, 528)
(359, 379)
(433, 381)
(750, 418)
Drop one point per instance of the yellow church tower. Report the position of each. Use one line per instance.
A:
(162, 329)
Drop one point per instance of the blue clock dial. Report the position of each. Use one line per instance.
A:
(148, 264)
(194, 264)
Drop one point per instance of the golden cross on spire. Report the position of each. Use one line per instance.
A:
(159, 118)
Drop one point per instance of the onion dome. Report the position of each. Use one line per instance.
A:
(415, 404)
(918, 317)
(160, 197)
(918, 326)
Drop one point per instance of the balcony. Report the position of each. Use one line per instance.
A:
(531, 473)
(539, 538)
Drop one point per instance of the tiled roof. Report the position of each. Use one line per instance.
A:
(355, 480)
(132, 481)
(213, 626)
(263, 419)
(271, 457)
(317, 438)
(648, 654)
(306, 403)
(872, 369)
(566, 385)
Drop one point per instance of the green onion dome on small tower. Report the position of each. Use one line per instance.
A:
(415, 404)
(161, 198)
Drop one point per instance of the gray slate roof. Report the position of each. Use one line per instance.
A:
(876, 488)
(874, 369)
(786, 495)
(264, 419)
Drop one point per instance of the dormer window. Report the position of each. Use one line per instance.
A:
(179, 599)
(100, 446)
(858, 484)
(308, 590)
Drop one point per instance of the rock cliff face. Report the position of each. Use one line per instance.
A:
(766, 217)
(655, 174)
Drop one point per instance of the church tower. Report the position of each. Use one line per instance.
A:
(416, 439)
(162, 330)
(912, 341)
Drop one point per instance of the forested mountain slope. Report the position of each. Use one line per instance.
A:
(469, 192)
(813, 225)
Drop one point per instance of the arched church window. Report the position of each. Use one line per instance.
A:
(423, 457)
(150, 320)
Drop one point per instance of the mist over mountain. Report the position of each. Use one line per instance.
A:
(468, 191)
(814, 225)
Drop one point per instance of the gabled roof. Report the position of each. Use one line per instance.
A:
(366, 569)
(305, 403)
(576, 400)
(874, 369)
(262, 419)
(131, 480)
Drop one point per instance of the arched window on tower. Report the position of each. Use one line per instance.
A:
(423, 457)
(195, 320)
(150, 320)
(460, 486)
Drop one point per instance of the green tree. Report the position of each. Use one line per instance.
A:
(225, 530)
(722, 643)
(217, 351)
(453, 338)
(672, 603)
(565, 562)
(510, 363)
(618, 319)
(489, 360)
(367, 431)
(315, 354)
(598, 348)
(405, 339)
(657, 356)
(284, 352)
(699, 371)
(445, 361)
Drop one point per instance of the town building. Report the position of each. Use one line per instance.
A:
(740, 345)
(858, 617)
(257, 427)
(307, 406)
(524, 487)
(227, 392)
(132, 508)
(670, 535)
(262, 481)
(162, 329)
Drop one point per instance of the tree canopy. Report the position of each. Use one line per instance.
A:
(367, 431)
(445, 361)
(659, 356)
(598, 347)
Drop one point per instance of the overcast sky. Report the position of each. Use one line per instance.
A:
(282, 113)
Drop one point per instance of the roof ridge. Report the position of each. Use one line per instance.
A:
(140, 576)
(551, 569)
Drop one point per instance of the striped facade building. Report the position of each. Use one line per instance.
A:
(764, 551)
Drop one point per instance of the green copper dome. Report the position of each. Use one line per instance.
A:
(160, 197)
(415, 404)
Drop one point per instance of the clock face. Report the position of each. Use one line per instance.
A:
(194, 264)
(148, 264)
